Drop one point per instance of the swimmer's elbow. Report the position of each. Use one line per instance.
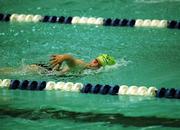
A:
(68, 57)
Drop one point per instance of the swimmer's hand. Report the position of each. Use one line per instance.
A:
(57, 60)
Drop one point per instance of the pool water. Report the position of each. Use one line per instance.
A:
(145, 57)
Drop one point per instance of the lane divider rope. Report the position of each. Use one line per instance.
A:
(155, 23)
(92, 89)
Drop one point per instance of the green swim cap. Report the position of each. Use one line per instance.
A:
(105, 59)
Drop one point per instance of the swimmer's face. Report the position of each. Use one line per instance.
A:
(95, 64)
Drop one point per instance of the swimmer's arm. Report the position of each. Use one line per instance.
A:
(57, 60)
(81, 63)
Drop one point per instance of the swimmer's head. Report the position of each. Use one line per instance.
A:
(105, 59)
(102, 60)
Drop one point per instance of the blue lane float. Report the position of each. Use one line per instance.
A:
(5, 17)
(100, 89)
(178, 26)
(172, 24)
(114, 90)
(68, 20)
(107, 22)
(95, 89)
(61, 19)
(14, 84)
(161, 92)
(105, 89)
(124, 22)
(171, 93)
(53, 19)
(41, 85)
(24, 85)
(32, 85)
(131, 23)
(1, 16)
(27, 85)
(116, 22)
(168, 93)
(87, 88)
(177, 95)
(46, 19)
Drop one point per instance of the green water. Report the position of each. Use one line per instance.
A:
(145, 56)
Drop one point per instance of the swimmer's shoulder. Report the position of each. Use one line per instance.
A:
(81, 63)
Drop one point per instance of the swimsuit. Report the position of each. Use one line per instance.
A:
(44, 66)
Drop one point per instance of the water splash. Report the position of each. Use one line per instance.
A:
(120, 63)
(25, 69)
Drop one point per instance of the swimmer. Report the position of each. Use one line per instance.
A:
(65, 63)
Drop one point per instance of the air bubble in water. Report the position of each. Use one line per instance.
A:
(16, 34)
(2, 34)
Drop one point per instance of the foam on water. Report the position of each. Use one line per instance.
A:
(120, 63)
(25, 69)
